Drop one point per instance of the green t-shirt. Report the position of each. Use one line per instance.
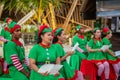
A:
(82, 42)
(12, 49)
(41, 54)
(95, 55)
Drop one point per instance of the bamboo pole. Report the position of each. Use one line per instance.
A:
(74, 21)
(70, 14)
(1, 9)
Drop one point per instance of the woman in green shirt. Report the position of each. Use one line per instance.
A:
(67, 71)
(43, 53)
(79, 55)
(110, 55)
(96, 55)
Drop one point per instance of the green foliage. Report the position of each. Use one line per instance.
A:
(27, 5)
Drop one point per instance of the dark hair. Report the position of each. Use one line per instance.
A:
(55, 39)
(104, 35)
(94, 37)
(39, 40)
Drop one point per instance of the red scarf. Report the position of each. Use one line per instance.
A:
(97, 39)
(81, 36)
(45, 46)
(18, 43)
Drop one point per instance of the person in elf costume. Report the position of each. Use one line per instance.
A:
(44, 53)
(79, 55)
(5, 33)
(5, 36)
(67, 71)
(15, 57)
(96, 55)
(110, 55)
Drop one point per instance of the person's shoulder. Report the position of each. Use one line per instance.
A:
(91, 40)
(56, 45)
(104, 38)
(36, 45)
(10, 44)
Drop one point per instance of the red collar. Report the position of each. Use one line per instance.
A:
(59, 43)
(97, 39)
(18, 43)
(81, 36)
(7, 29)
(45, 46)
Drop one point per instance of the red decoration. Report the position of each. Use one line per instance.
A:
(14, 28)
(45, 46)
(17, 42)
(81, 36)
(105, 30)
(7, 29)
(7, 20)
(42, 28)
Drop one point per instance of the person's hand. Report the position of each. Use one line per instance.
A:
(113, 54)
(45, 74)
(107, 50)
(99, 50)
(69, 53)
(57, 74)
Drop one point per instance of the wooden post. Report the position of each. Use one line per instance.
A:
(52, 16)
(70, 14)
(1, 9)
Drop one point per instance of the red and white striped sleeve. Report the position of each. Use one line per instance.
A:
(16, 62)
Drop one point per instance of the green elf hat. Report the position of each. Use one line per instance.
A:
(57, 31)
(44, 29)
(78, 27)
(11, 25)
(95, 29)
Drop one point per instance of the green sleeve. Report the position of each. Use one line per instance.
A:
(75, 40)
(60, 50)
(90, 43)
(105, 41)
(33, 53)
(10, 49)
(86, 40)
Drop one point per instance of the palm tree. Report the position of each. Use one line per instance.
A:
(27, 5)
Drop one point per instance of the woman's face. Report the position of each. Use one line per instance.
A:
(81, 31)
(62, 37)
(17, 33)
(97, 34)
(110, 35)
(47, 37)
